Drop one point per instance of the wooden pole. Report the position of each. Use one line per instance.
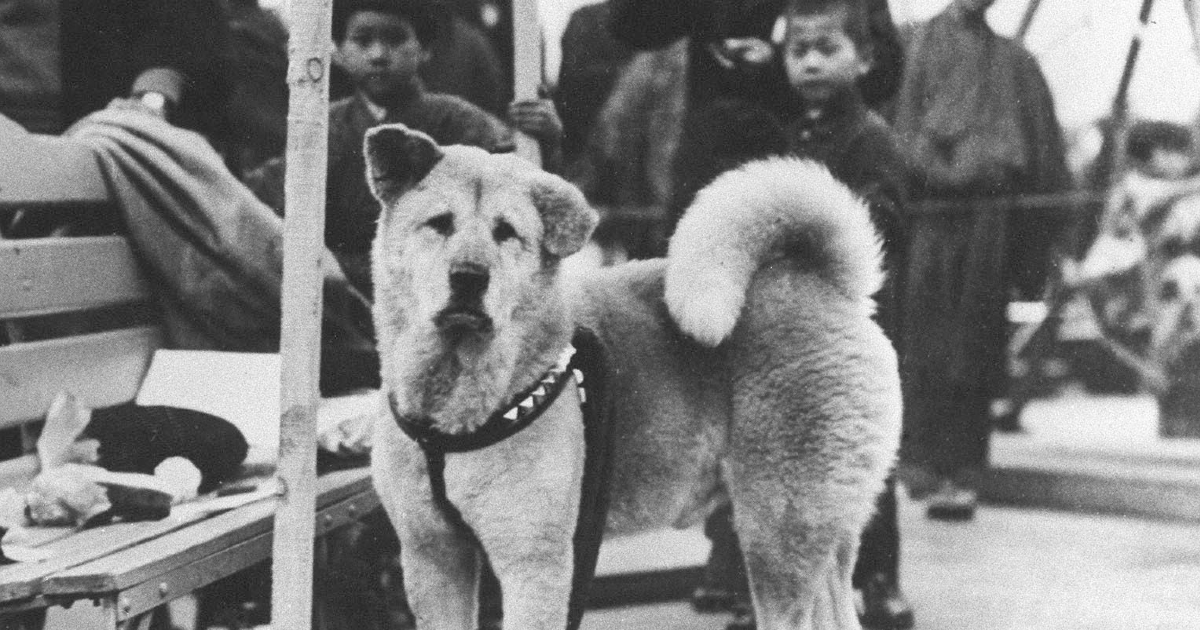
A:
(527, 66)
(1027, 19)
(1192, 8)
(1112, 151)
(300, 346)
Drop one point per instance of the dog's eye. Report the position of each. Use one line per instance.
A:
(503, 231)
(442, 224)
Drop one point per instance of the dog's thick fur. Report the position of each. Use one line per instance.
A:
(745, 362)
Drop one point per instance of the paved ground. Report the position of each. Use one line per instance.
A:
(1020, 568)
(1016, 569)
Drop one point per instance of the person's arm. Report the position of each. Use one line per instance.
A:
(538, 118)
(183, 46)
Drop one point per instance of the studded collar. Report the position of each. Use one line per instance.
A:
(520, 412)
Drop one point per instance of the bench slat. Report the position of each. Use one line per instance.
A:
(55, 275)
(48, 170)
(159, 589)
(101, 369)
(22, 581)
(343, 495)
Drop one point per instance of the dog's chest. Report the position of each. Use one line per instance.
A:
(534, 475)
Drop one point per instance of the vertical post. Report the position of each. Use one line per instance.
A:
(1110, 161)
(1027, 19)
(1192, 8)
(527, 66)
(303, 244)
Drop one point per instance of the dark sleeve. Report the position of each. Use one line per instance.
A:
(880, 174)
(881, 179)
(464, 123)
(1048, 162)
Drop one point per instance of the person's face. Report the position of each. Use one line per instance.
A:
(381, 53)
(820, 58)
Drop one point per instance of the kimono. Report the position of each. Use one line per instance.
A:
(977, 118)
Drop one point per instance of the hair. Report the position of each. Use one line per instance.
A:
(420, 13)
(856, 20)
(1148, 135)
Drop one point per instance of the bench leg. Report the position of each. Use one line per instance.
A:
(84, 615)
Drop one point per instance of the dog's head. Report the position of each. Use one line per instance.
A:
(467, 239)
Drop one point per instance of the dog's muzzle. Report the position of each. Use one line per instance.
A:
(465, 314)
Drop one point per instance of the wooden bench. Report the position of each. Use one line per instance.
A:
(48, 287)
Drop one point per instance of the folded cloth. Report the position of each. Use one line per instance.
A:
(213, 251)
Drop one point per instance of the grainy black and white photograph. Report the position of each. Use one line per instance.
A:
(599, 314)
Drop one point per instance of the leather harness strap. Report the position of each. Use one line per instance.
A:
(587, 363)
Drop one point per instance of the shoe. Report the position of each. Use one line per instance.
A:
(743, 617)
(884, 606)
(952, 503)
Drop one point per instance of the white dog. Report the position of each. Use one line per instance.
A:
(745, 362)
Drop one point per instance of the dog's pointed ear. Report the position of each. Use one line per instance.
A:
(567, 218)
(397, 158)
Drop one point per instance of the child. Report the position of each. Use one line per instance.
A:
(1152, 217)
(1162, 171)
(825, 50)
(381, 44)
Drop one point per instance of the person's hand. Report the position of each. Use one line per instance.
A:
(137, 105)
(742, 52)
(538, 118)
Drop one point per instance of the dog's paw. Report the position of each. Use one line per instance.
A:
(707, 308)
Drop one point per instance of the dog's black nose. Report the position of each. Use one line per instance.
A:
(469, 280)
(1169, 290)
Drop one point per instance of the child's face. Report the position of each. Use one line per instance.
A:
(820, 58)
(1168, 164)
(381, 53)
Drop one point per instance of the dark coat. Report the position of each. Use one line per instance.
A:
(657, 23)
(861, 151)
(591, 62)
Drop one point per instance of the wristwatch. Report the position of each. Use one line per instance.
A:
(156, 101)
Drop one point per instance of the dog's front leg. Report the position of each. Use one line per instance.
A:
(441, 577)
(524, 507)
(536, 584)
(440, 562)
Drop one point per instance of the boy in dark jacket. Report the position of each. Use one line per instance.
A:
(382, 44)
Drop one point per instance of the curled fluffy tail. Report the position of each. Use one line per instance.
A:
(767, 210)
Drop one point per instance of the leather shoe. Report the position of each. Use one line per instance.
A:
(952, 503)
(884, 606)
(743, 617)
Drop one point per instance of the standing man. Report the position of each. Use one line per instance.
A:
(978, 120)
